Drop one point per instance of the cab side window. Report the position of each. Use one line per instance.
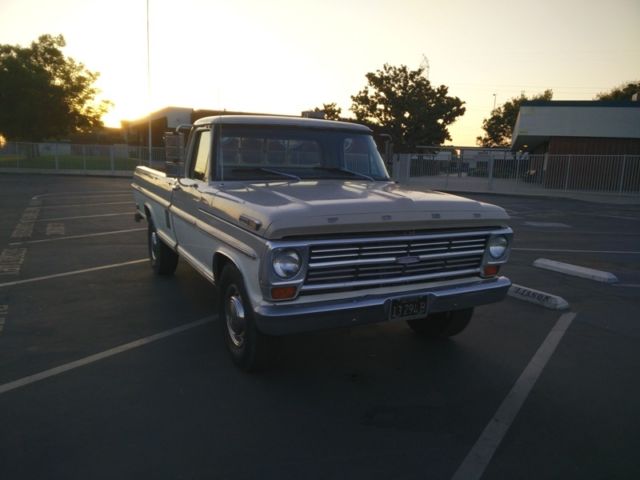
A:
(200, 162)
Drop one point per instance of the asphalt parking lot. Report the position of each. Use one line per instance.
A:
(109, 372)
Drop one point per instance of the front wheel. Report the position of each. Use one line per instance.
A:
(442, 324)
(249, 348)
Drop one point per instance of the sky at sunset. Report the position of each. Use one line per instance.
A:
(285, 56)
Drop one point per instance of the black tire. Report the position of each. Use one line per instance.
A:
(163, 260)
(249, 348)
(442, 324)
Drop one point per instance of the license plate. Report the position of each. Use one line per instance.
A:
(408, 308)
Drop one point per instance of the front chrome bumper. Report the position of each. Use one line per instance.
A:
(282, 319)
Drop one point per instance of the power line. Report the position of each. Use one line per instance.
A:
(487, 85)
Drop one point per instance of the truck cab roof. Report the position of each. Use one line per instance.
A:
(281, 121)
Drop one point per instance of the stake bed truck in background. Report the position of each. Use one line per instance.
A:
(297, 224)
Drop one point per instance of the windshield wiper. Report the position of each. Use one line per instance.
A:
(269, 170)
(278, 172)
(345, 170)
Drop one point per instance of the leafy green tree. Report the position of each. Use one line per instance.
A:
(622, 92)
(499, 126)
(405, 105)
(331, 111)
(44, 94)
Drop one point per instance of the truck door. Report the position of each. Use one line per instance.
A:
(196, 245)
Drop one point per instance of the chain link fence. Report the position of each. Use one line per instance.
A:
(499, 171)
(505, 172)
(54, 157)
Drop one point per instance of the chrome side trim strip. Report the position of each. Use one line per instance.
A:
(227, 239)
(156, 198)
(224, 237)
(170, 242)
(196, 264)
(214, 232)
(190, 219)
(149, 172)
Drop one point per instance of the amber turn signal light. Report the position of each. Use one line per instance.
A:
(491, 270)
(283, 293)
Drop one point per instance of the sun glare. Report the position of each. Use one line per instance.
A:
(281, 57)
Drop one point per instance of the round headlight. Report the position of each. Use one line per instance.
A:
(498, 246)
(286, 263)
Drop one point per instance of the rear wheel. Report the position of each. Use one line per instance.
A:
(249, 348)
(442, 324)
(163, 260)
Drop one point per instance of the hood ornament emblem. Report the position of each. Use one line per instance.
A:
(407, 260)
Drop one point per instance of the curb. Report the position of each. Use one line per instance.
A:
(546, 300)
(75, 173)
(576, 270)
(586, 197)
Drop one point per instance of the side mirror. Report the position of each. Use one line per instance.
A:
(174, 153)
(174, 147)
(185, 182)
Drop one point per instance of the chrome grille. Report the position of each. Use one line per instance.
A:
(378, 262)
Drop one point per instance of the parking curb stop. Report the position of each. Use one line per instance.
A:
(547, 300)
(575, 270)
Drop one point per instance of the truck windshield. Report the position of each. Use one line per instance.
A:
(280, 153)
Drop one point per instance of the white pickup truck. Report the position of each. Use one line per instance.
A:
(297, 224)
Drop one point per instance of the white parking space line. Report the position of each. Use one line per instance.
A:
(76, 205)
(24, 229)
(481, 453)
(30, 214)
(85, 216)
(73, 237)
(619, 217)
(11, 260)
(4, 311)
(54, 228)
(22, 382)
(565, 250)
(547, 224)
(74, 272)
(106, 193)
(616, 217)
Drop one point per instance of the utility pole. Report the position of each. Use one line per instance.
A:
(424, 65)
(149, 83)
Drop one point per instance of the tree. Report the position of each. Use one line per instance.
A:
(44, 94)
(331, 111)
(499, 126)
(407, 107)
(622, 92)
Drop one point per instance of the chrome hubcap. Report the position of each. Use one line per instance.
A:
(154, 245)
(236, 321)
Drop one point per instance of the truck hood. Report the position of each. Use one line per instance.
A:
(279, 210)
